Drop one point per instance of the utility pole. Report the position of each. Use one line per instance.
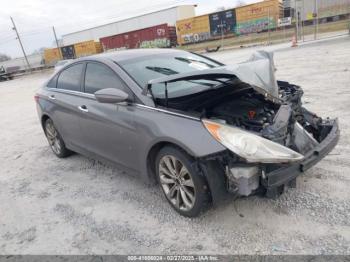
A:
(58, 47)
(316, 14)
(302, 19)
(20, 42)
(222, 34)
(268, 26)
(296, 20)
(316, 18)
(284, 27)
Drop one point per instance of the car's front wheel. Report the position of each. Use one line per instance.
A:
(55, 140)
(184, 187)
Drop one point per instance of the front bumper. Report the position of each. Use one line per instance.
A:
(279, 177)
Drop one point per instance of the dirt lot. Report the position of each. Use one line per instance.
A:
(79, 206)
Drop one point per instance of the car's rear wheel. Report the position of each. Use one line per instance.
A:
(55, 140)
(183, 186)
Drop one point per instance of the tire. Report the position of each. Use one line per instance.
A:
(184, 187)
(55, 140)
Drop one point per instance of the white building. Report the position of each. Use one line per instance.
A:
(324, 8)
(165, 16)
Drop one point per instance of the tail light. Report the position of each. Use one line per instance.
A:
(36, 98)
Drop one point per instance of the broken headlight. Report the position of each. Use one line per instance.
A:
(253, 148)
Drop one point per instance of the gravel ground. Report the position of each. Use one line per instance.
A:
(80, 206)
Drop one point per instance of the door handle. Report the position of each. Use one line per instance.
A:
(83, 108)
(52, 97)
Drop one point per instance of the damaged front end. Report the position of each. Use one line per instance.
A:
(270, 137)
(289, 125)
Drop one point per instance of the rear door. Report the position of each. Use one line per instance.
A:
(108, 129)
(68, 96)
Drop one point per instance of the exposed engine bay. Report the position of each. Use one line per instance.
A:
(240, 105)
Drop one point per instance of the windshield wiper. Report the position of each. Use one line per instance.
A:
(162, 70)
(168, 71)
(189, 61)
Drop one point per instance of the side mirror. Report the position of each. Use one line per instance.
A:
(111, 96)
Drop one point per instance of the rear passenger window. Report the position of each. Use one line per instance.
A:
(53, 82)
(69, 79)
(99, 76)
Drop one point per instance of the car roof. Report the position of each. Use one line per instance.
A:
(122, 55)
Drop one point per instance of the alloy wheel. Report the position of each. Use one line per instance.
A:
(177, 183)
(53, 138)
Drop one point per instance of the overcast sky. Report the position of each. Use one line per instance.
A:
(34, 18)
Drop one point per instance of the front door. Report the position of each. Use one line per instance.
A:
(108, 129)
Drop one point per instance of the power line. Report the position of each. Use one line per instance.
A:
(6, 38)
(6, 42)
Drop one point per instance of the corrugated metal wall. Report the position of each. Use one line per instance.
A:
(167, 16)
(222, 23)
(192, 30)
(87, 48)
(51, 56)
(242, 20)
(258, 17)
(155, 36)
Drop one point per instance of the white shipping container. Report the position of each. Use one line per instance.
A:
(35, 60)
(324, 8)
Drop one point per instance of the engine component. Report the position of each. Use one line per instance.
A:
(247, 111)
(278, 131)
(243, 180)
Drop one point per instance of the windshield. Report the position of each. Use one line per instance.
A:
(144, 69)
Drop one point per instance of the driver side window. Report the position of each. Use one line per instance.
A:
(99, 76)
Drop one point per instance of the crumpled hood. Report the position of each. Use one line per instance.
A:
(258, 71)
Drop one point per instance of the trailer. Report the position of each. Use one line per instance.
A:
(7, 73)
(159, 36)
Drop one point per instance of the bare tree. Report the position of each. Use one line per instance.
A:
(4, 57)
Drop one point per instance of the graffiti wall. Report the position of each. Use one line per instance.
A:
(160, 43)
(255, 25)
(192, 30)
(195, 38)
(222, 23)
(241, 20)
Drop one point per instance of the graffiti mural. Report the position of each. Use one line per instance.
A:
(256, 25)
(196, 37)
(161, 32)
(192, 30)
(223, 21)
(160, 43)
